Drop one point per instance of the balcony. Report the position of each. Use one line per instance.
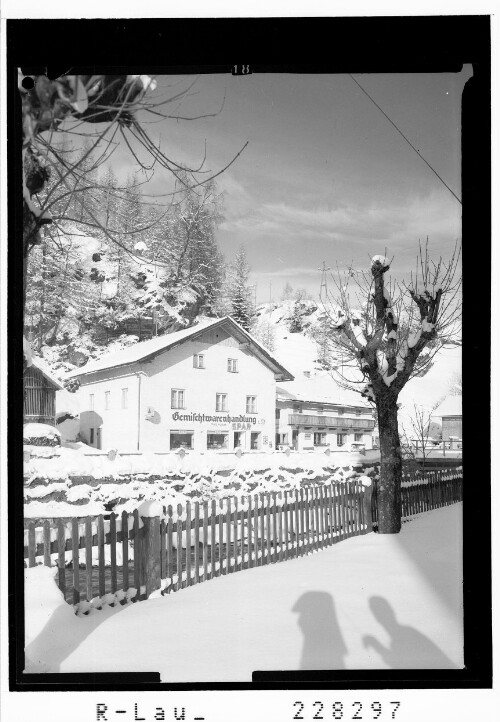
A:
(332, 421)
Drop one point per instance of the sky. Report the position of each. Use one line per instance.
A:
(325, 177)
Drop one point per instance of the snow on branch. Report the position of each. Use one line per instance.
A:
(380, 262)
(391, 333)
(357, 329)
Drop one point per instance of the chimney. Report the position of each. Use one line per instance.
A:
(307, 374)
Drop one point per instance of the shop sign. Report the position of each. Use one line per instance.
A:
(242, 421)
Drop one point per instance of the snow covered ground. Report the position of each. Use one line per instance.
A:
(370, 602)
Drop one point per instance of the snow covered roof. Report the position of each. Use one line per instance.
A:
(451, 406)
(42, 366)
(36, 430)
(155, 346)
(320, 388)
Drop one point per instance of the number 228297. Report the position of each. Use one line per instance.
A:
(339, 710)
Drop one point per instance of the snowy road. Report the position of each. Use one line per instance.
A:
(369, 602)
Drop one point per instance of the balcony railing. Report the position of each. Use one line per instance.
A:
(332, 421)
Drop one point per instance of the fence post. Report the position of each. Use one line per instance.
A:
(150, 512)
(367, 503)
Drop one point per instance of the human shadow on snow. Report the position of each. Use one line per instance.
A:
(324, 646)
(408, 648)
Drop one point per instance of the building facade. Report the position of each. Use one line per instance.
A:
(40, 387)
(308, 419)
(450, 413)
(210, 387)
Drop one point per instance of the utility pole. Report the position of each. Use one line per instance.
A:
(323, 289)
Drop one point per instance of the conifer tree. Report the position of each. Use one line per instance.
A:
(240, 293)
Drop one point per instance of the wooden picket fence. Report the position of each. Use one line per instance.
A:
(127, 557)
(423, 491)
(195, 542)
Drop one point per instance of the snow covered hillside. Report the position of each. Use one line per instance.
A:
(297, 347)
(93, 290)
(301, 352)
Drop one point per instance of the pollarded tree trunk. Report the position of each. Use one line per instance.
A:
(390, 351)
(391, 467)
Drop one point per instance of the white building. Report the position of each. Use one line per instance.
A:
(315, 413)
(211, 386)
(450, 413)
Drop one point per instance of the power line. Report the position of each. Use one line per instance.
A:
(404, 136)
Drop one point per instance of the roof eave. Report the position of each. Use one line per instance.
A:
(76, 374)
(53, 381)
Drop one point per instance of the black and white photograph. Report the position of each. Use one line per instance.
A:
(242, 352)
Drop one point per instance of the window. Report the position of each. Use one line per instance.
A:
(277, 413)
(358, 437)
(340, 439)
(216, 440)
(221, 402)
(232, 365)
(358, 412)
(91, 402)
(251, 404)
(177, 398)
(107, 400)
(181, 439)
(199, 361)
(124, 398)
(255, 440)
(91, 436)
(340, 412)
(319, 438)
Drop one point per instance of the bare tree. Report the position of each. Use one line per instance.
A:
(102, 110)
(287, 292)
(265, 332)
(383, 335)
(420, 429)
(455, 388)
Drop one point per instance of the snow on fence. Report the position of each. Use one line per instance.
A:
(425, 491)
(128, 557)
(115, 559)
